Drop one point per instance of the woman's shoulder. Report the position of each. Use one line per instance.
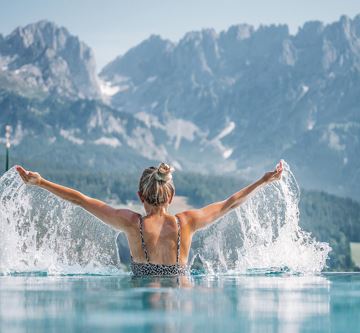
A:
(131, 217)
(183, 217)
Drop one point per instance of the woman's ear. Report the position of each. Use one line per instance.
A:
(140, 196)
(171, 198)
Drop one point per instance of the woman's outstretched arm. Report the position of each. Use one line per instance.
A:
(120, 219)
(200, 218)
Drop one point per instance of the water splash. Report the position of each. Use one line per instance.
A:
(263, 235)
(42, 233)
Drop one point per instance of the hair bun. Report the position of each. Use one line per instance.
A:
(163, 172)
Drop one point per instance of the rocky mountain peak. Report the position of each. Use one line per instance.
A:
(145, 60)
(356, 25)
(310, 31)
(40, 35)
(198, 36)
(261, 90)
(238, 32)
(49, 59)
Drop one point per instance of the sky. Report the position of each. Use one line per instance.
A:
(111, 27)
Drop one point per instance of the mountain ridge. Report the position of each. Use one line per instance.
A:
(234, 101)
(290, 96)
(50, 60)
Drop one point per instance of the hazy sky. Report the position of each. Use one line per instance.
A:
(111, 27)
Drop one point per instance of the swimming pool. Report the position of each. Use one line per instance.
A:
(223, 303)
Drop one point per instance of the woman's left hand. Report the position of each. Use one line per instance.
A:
(273, 175)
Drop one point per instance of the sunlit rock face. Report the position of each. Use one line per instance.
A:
(43, 58)
(51, 96)
(292, 96)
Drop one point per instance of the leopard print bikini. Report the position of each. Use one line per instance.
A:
(142, 269)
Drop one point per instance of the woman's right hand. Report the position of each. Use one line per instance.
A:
(29, 177)
(273, 175)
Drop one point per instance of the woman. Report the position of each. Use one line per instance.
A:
(159, 242)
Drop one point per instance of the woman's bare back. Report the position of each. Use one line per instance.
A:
(160, 234)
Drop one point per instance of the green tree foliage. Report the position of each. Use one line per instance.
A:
(334, 220)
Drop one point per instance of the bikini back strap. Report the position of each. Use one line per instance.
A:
(142, 239)
(178, 240)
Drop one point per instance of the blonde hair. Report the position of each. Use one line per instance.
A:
(156, 185)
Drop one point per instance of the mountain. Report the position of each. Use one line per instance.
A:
(42, 58)
(50, 95)
(59, 134)
(229, 102)
(258, 94)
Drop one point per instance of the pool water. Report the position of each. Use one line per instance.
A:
(227, 303)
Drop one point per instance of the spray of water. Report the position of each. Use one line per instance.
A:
(42, 233)
(263, 235)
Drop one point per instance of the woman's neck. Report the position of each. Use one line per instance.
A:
(155, 210)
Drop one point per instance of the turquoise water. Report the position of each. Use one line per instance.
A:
(238, 303)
